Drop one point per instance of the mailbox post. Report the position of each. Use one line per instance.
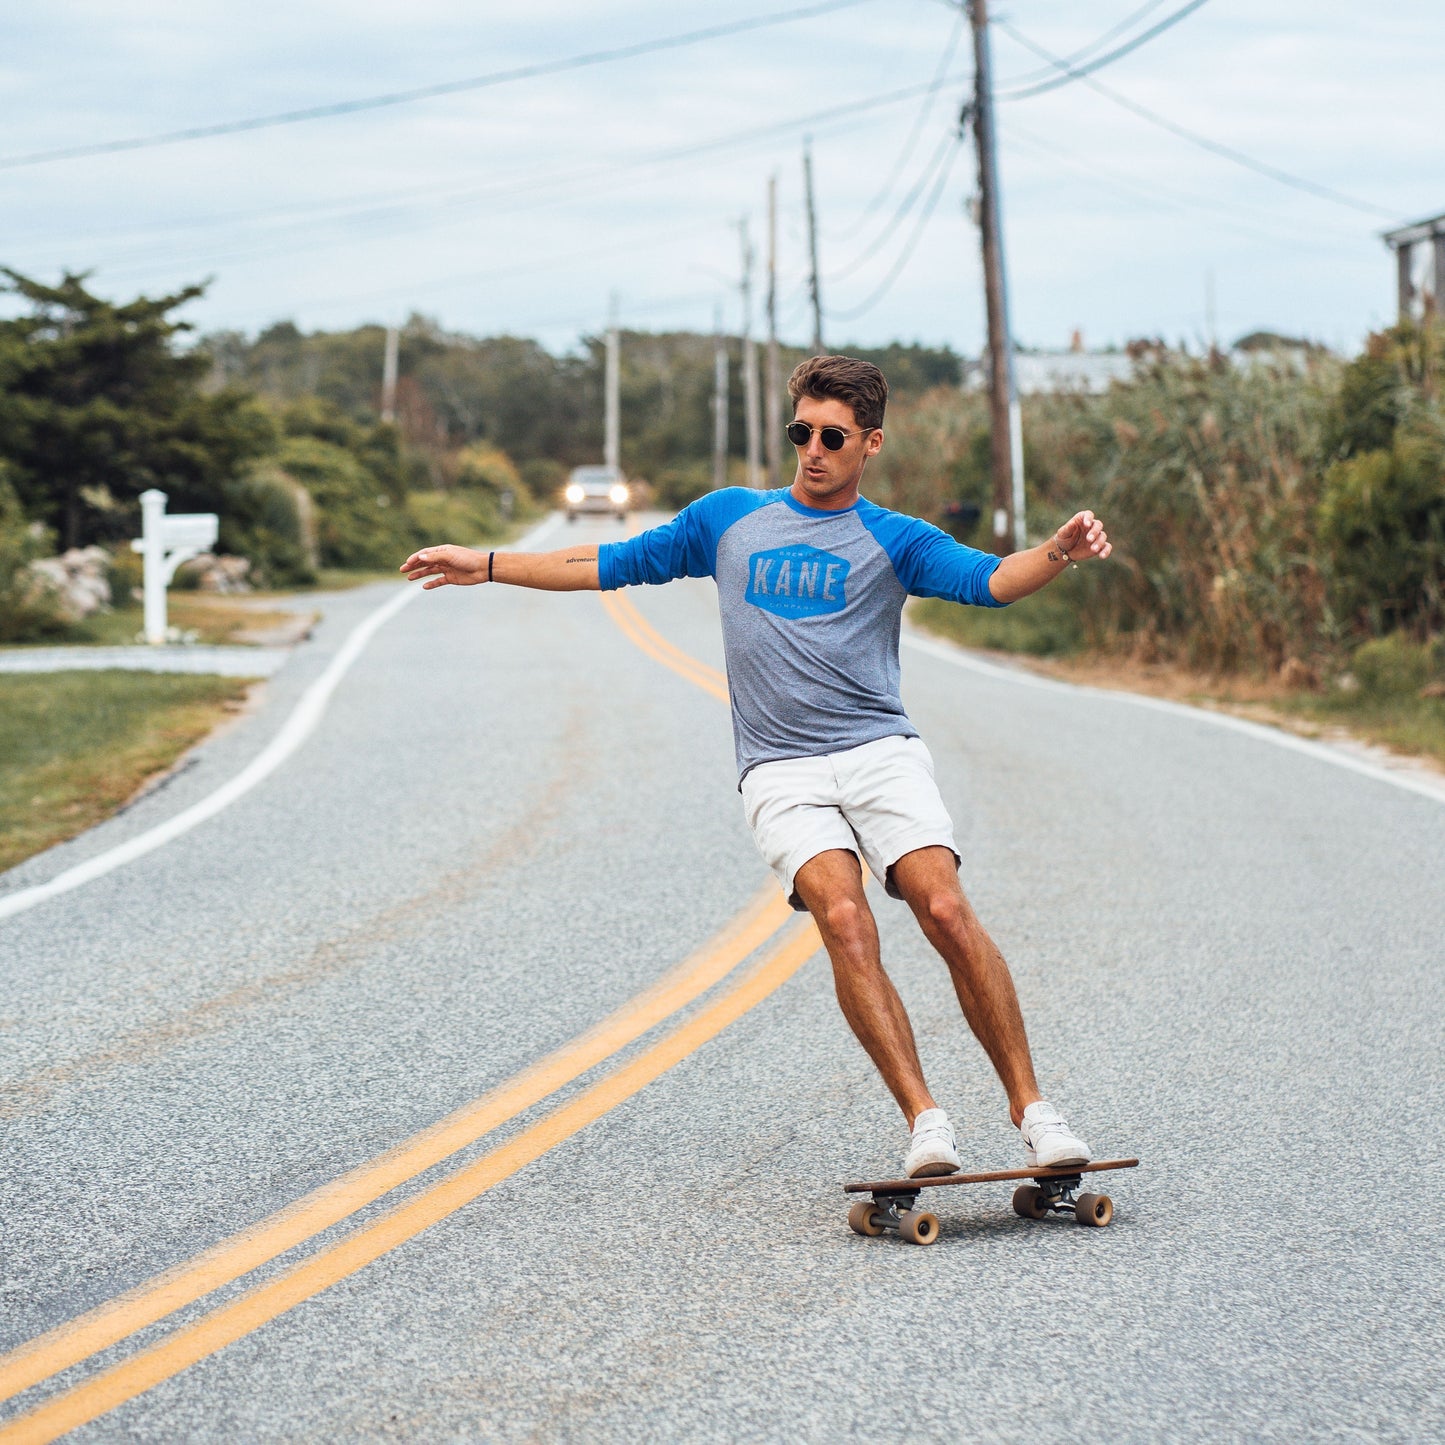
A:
(165, 542)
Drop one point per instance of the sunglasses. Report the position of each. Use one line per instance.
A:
(800, 434)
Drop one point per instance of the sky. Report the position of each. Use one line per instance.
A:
(528, 205)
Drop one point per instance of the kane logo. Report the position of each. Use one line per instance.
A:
(797, 582)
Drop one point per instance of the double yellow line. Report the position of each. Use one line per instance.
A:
(109, 1324)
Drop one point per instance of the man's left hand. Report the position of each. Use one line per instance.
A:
(1082, 537)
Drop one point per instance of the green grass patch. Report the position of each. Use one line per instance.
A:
(1044, 625)
(74, 746)
(1407, 724)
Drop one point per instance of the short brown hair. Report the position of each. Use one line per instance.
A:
(842, 378)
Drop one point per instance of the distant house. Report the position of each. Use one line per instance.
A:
(1044, 373)
(1419, 267)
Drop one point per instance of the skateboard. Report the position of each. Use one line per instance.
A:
(1049, 1191)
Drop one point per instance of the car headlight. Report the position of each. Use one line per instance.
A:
(618, 495)
(575, 494)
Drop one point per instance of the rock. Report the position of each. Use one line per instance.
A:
(1298, 675)
(76, 584)
(219, 574)
(1433, 689)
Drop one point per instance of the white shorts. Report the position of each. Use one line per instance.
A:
(878, 800)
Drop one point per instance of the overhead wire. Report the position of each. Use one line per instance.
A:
(906, 154)
(1132, 18)
(909, 246)
(906, 205)
(1074, 72)
(428, 92)
(1218, 148)
(563, 187)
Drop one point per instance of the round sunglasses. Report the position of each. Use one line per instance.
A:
(800, 434)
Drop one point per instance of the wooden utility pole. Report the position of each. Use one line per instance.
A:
(750, 365)
(719, 403)
(773, 410)
(812, 249)
(612, 393)
(1005, 420)
(388, 376)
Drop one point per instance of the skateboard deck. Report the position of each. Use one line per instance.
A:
(1049, 1191)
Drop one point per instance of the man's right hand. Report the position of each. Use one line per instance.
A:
(460, 566)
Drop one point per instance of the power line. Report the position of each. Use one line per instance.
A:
(428, 92)
(906, 154)
(904, 207)
(1132, 18)
(563, 186)
(1217, 148)
(1079, 72)
(909, 246)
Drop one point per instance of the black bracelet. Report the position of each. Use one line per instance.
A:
(490, 555)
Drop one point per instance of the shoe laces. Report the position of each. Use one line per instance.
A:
(931, 1132)
(1051, 1122)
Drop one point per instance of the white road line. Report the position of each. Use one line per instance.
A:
(1320, 752)
(294, 731)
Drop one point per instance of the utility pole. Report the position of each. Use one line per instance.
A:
(773, 410)
(719, 403)
(812, 248)
(612, 446)
(1005, 420)
(750, 364)
(388, 376)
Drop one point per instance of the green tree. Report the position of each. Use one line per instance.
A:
(98, 403)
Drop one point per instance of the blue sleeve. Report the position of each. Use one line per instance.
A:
(928, 562)
(683, 547)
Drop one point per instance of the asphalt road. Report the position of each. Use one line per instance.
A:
(509, 823)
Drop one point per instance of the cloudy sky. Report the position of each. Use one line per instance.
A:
(522, 206)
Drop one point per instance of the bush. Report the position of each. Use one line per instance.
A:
(27, 612)
(1397, 666)
(1382, 509)
(483, 467)
(467, 518)
(357, 523)
(269, 518)
(543, 479)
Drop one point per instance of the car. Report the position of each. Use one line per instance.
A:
(597, 489)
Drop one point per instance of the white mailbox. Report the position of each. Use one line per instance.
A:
(165, 542)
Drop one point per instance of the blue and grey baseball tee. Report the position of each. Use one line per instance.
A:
(811, 603)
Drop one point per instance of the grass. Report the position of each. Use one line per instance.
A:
(214, 619)
(1044, 625)
(74, 746)
(1414, 725)
(1045, 628)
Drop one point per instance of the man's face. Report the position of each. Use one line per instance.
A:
(830, 479)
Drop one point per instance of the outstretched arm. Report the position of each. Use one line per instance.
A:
(1021, 573)
(573, 569)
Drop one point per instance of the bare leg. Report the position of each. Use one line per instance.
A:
(831, 885)
(928, 880)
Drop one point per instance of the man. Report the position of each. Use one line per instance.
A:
(811, 583)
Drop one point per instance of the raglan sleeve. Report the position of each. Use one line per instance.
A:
(930, 563)
(683, 547)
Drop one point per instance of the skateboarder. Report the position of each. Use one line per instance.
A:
(811, 582)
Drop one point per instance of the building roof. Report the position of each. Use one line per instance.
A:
(1415, 231)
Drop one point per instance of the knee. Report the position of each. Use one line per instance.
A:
(846, 921)
(948, 913)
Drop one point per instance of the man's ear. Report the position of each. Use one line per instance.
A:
(874, 444)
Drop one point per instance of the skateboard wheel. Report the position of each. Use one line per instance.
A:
(1094, 1209)
(865, 1218)
(1029, 1202)
(917, 1226)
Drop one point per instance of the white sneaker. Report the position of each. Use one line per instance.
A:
(1048, 1140)
(932, 1150)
